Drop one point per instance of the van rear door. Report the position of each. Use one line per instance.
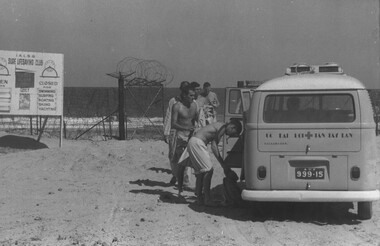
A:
(310, 148)
(236, 103)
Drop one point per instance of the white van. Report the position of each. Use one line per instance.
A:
(310, 137)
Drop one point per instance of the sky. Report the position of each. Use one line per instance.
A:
(220, 41)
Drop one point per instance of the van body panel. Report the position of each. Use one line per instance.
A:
(310, 196)
(312, 82)
(312, 159)
(309, 140)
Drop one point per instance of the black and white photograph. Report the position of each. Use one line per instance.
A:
(189, 122)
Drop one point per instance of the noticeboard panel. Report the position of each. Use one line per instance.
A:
(31, 83)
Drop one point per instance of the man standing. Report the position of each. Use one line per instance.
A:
(197, 156)
(168, 131)
(199, 99)
(184, 117)
(197, 89)
(208, 100)
(212, 98)
(168, 115)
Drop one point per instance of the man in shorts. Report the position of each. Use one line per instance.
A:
(197, 156)
(170, 133)
(183, 120)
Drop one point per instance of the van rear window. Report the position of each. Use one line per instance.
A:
(309, 108)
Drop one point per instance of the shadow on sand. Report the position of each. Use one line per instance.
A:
(17, 142)
(151, 183)
(316, 213)
(160, 170)
(164, 196)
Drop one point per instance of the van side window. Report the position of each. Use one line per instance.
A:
(309, 108)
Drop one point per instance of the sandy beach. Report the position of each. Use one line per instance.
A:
(117, 193)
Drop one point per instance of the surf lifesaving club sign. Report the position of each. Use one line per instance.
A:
(31, 83)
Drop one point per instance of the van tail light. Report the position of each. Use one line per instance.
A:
(355, 173)
(261, 172)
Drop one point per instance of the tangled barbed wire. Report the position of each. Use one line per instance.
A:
(143, 72)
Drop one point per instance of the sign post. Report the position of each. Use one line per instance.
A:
(31, 84)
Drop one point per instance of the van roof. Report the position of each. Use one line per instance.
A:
(316, 81)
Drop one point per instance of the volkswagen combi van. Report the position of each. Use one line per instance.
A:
(310, 137)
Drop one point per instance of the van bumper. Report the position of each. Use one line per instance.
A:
(310, 196)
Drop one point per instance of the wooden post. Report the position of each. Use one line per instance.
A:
(110, 126)
(163, 105)
(121, 108)
(31, 125)
(64, 127)
(62, 124)
(42, 128)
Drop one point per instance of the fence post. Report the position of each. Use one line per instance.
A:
(121, 108)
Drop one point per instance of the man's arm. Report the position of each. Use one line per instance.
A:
(227, 170)
(168, 120)
(215, 150)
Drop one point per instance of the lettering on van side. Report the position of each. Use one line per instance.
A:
(309, 135)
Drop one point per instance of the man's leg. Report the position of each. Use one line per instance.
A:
(180, 174)
(206, 188)
(174, 168)
(172, 146)
(199, 188)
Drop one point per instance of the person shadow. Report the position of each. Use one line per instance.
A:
(23, 143)
(160, 170)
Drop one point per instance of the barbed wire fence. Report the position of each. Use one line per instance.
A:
(89, 107)
(91, 112)
(133, 73)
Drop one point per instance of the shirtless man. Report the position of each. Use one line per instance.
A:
(169, 133)
(197, 157)
(184, 116)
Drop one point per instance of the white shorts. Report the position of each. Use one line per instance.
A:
(199, 156)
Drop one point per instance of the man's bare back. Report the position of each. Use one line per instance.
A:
(209, 133)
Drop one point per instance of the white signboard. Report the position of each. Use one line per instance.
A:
(31, 83)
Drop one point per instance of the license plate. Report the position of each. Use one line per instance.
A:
(310, 173)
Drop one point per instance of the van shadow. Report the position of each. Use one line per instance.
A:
(17, 142)
(315, 213)
(305, 212)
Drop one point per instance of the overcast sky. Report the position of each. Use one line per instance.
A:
(220, 41)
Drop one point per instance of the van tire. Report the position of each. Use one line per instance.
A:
(365, 210)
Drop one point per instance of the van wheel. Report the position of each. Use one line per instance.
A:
(365, 210)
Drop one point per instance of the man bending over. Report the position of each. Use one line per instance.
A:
(197, 156)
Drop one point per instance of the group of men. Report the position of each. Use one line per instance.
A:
(189, 126)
